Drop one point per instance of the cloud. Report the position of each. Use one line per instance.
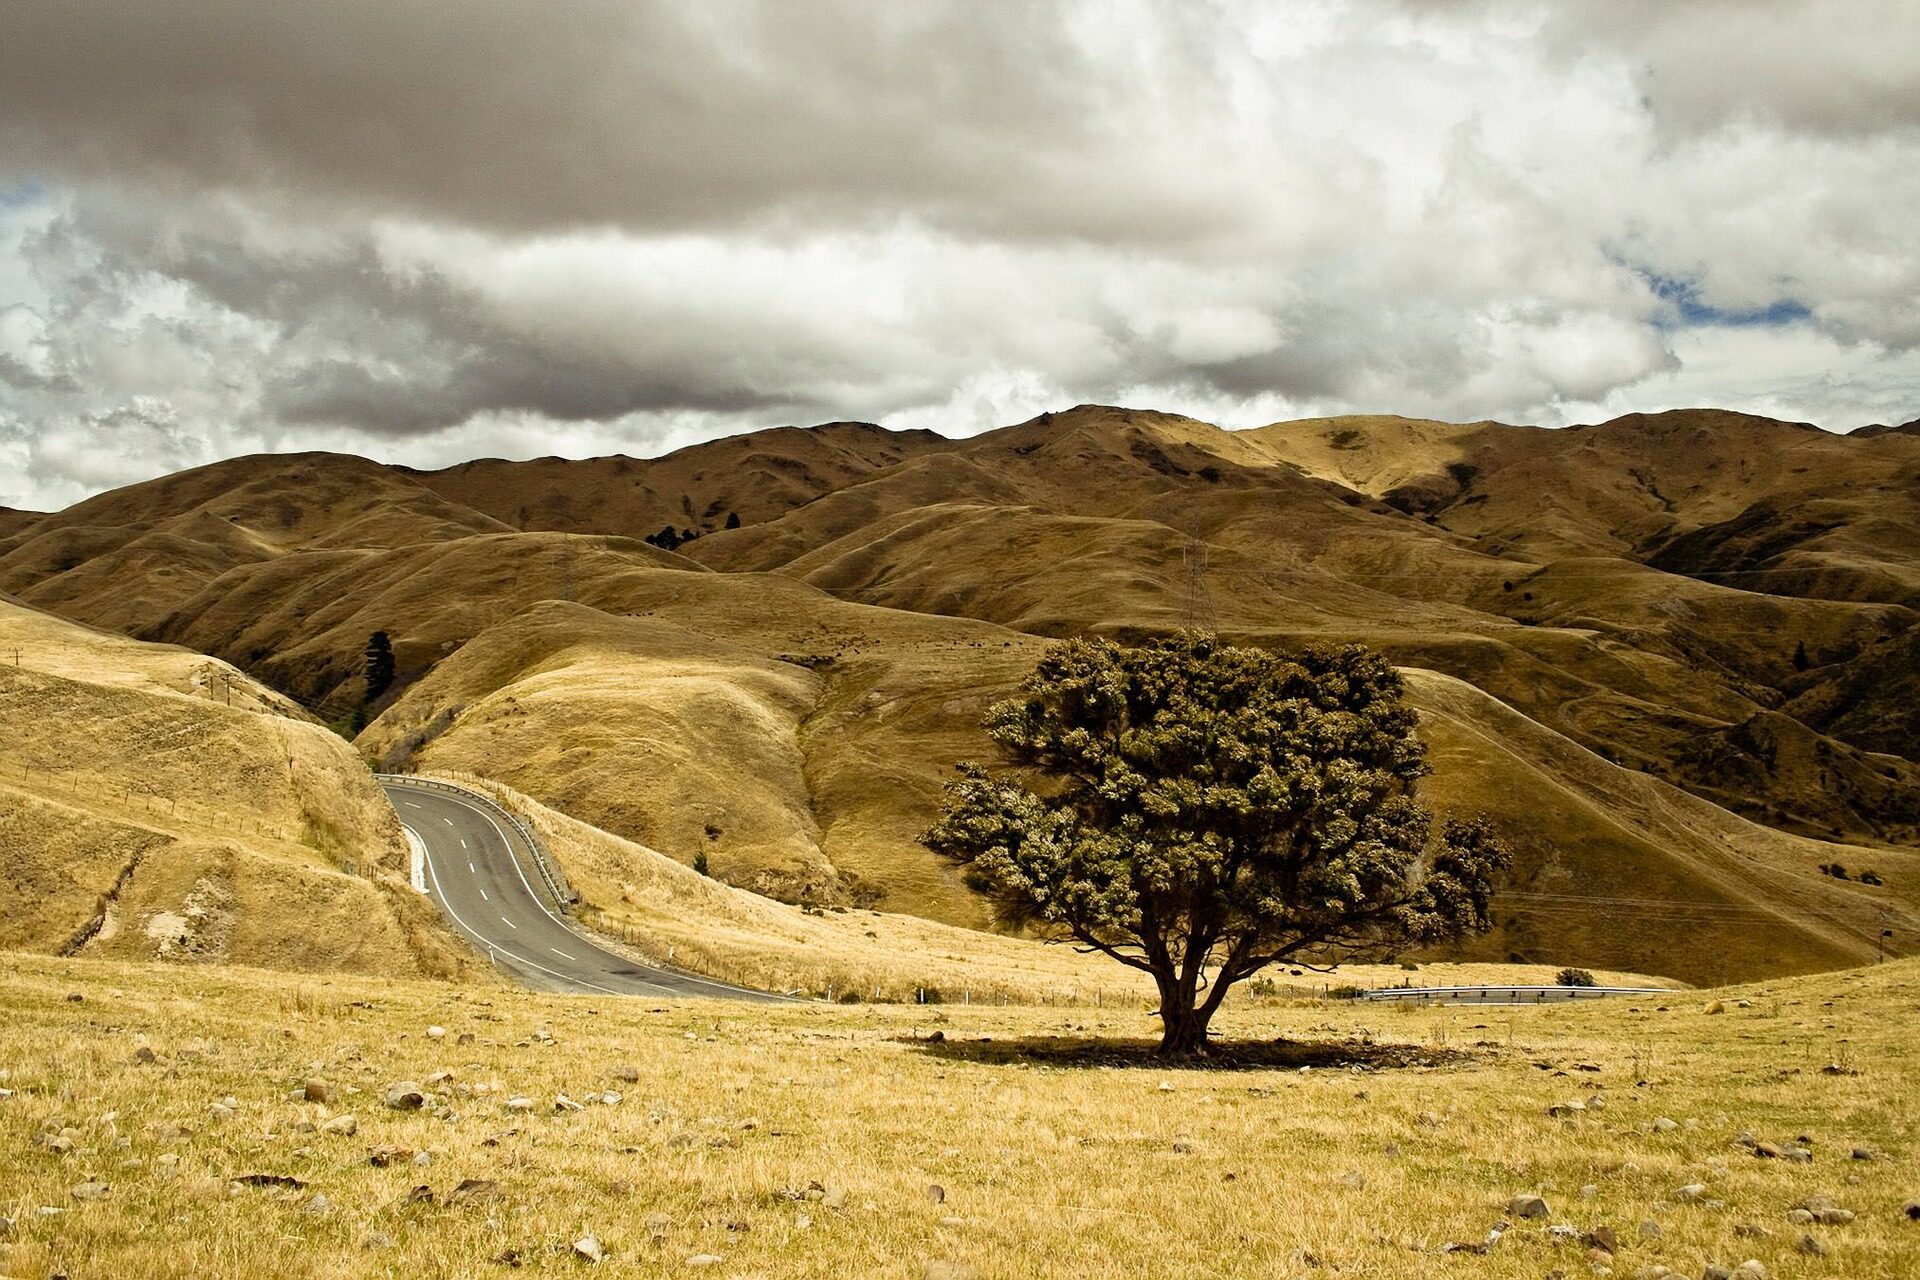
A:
(416, 228)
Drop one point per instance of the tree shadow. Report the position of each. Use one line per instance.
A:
(1221, 1055)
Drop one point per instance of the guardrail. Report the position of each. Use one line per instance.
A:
(1505, 995)
(550, 873)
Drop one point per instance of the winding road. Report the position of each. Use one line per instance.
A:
(481, 873)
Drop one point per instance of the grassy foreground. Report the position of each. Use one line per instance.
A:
(814, 1140)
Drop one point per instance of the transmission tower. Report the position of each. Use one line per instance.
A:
(1198, 615)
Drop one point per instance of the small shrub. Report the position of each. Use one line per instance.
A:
(1263, 987)
(700, 862)
(1573, 978)
(1409, 966)
(1346, 993)
(1871, 877)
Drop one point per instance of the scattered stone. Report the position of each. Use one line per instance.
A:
(90, 1191)
(1812, 1247)
(386, 1156)
(1560, 1110)
(1693, 1191)
(1649, 1229)
(936, 1193)
(1589, 1191)
(1824, 1211)
(439, 1078)
(319, 1206)
(1767, 1151)
(279, 1181)
(589, 1248)
(318, 1090)
(1800, 1217)
(1603, 1239)
(406, 1096)
(834, 1198)
(342, 1126)
(422, 1194)
(1665, 1124)
(464, 1039)
(561, 1102)
(473, 1189)
(1862, 1153)
(145, 1055)
(1527, 1206)
(519, 1104)
(1564, 1231)
(422, 1159)
(436, 1033)
(1750, 1270)
(627, 1073)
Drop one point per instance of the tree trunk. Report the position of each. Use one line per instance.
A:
(1183, 1026)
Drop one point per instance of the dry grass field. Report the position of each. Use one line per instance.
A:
(154, 1122)
(155, 802)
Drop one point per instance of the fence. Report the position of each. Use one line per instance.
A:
(1504, 995)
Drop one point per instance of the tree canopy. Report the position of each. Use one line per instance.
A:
(1200, 811)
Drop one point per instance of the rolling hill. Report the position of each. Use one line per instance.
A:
(1672, 654)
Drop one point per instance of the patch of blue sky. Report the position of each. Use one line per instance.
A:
(1686, 310)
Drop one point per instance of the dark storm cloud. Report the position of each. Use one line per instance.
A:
(648, 117)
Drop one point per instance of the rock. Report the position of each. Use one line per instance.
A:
(1750, 1270)
(834, 1197)
(1603, 1239)
(1797, 1155)
(319, 1206)
(439, 1078)
(626, 1073)
(1800, 1217)
(1665, 1124)
(1714, 1271)
(1649, 1229)
(464, 1039)
(936, 1193)
(422, 1159)
(519, 1104)
(1564, 1231)
(589, 1248)
(1589, 1191)
(317, 1090)
(1527, 1206)
(436, 1033)
(1812, 1247)
(385, 1157)
(90, 1191)
(1767, 1151)
(561, 1102)
(341, 1126)
(406, 1096)
(473, 1189)
(145, 1055)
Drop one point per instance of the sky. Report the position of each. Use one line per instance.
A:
(427, 232)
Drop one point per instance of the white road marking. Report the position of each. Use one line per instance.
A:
(463, 842)
(510, 924)
(471, 871)
(484, 897)
(448, 821)
(563, 955)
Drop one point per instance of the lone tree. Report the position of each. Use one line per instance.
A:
(379, 666)
(1200, 811)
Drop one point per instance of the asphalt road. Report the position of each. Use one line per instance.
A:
(481, 874)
